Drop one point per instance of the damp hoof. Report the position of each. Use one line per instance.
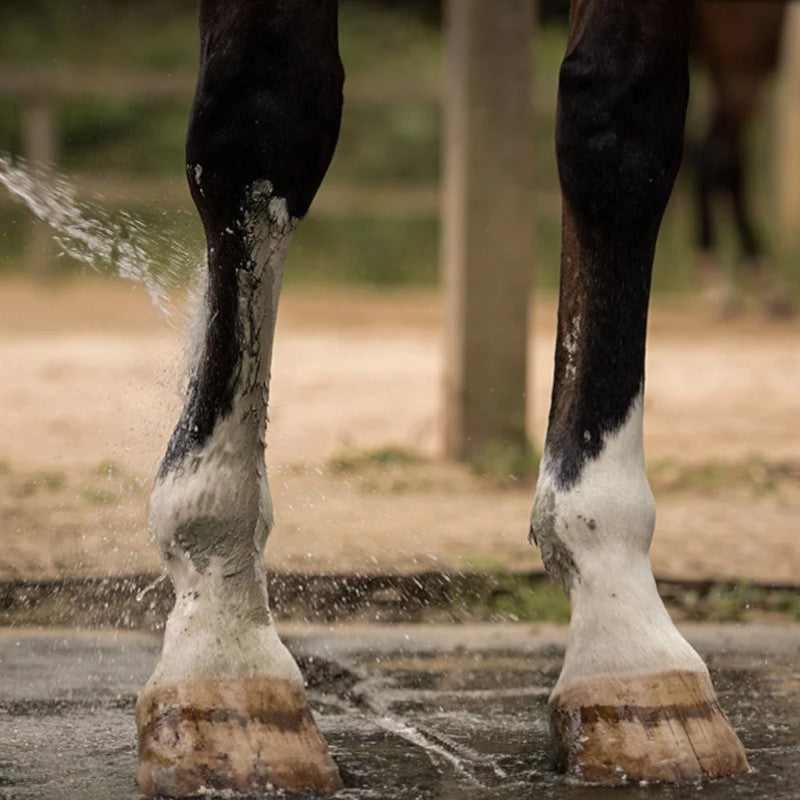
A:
(666, 727)
(778, 306)
(248, 735)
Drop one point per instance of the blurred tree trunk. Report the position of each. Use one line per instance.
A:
(40, 150)
(487, 223)
(787, 168)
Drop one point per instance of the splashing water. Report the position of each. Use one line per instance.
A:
(150, 586)
(413, 735)
(119, 243)
(437, 747)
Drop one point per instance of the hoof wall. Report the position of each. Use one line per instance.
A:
(247, 735)
(666, 727)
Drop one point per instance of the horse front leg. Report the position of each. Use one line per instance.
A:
(225, 708)
(634, 701)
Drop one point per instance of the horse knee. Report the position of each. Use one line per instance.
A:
(619, 139)
(267, 109)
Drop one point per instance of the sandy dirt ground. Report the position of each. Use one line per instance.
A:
(91, 383)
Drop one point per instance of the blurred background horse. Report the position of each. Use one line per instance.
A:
(739, 45)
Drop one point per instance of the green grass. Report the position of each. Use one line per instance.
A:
(99, 497)
(388, 143)
(787, 602)
(492, 592)
(118, 481)
(378, 142)
(350, 461)
(504, 463)
(109, 469)
(756, 473)
(372, 251)
(50, 480)
(509, 596)
(739, 601)
(92, 34)
(387, 43)
(123, 136)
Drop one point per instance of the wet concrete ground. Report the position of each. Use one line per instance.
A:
(410, 712)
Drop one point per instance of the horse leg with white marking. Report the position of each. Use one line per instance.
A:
(226, 708)
(634, 700)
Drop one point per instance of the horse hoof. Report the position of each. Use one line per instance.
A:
(778, 306)
(247, 735)
(723, 303)
(666, 727)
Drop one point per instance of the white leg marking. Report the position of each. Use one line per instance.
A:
(211, 517)
(595, 537)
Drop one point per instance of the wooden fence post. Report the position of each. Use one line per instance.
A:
(487, 221)
(40, 150)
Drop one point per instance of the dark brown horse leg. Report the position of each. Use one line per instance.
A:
(634, 701)
(771, 292)
(225, 708)
(719, 155)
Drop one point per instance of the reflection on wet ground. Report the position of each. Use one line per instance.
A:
(459, 716)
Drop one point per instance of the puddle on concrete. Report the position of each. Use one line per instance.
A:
(461, 725)
(488, 710)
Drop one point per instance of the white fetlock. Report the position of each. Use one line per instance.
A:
(210, 520)
(225, 708)
(634, 700)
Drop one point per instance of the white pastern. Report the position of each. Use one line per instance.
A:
(211, 521)
(595, 538)
(212, 515)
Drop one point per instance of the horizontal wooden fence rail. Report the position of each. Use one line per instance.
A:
(42, 89)
(384, 200)
(41, 84)
(57, 84)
